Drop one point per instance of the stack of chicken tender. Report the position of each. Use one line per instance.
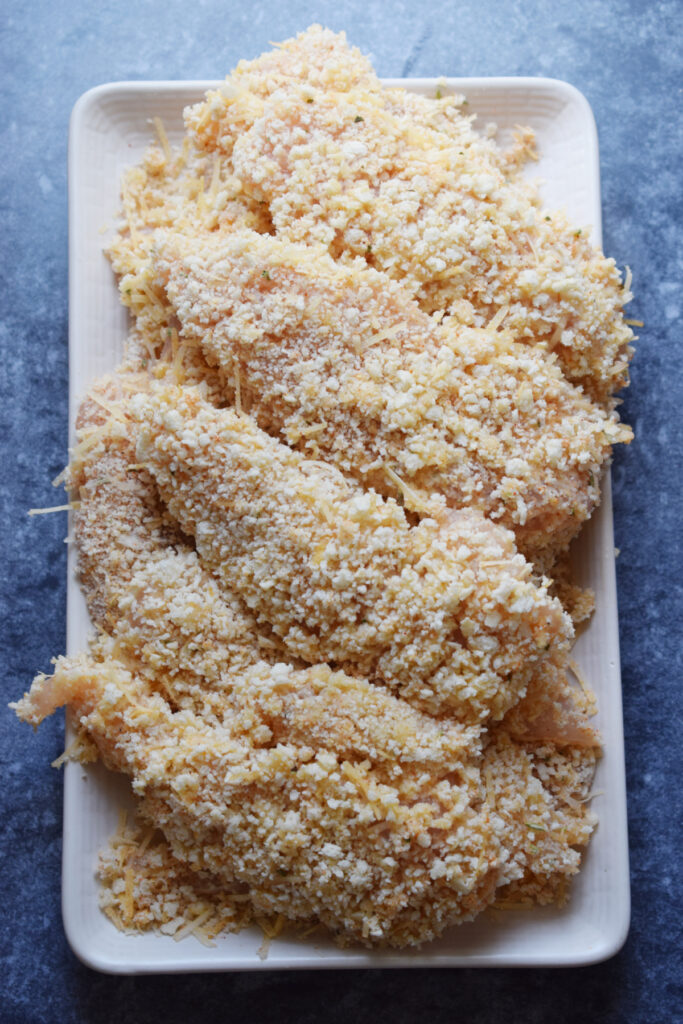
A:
(367, 400)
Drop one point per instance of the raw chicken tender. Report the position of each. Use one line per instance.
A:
(155, 606)
(344, 364)
(443, 612)
(337, 802)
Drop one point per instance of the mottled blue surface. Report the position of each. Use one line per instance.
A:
(626, 58)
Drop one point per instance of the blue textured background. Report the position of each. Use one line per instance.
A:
(626, 58)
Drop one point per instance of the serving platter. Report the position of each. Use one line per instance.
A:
(111, 126)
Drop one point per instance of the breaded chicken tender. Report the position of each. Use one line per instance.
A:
(119, 520)
(323, 59)
(317, 57)
(443, 612)
(338, 802)
(155, 606)
(344, 364)
(344, 169)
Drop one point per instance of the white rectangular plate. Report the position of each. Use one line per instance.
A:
(110, 127)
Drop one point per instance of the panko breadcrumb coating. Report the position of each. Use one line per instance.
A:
(317, 57)
(345, 365)
(443, 612)
(323, 59)
(119, 519)
(143, 885)
(357, 272)
(538, 767)
(342, 169)
(537, 795)
(155, 606)
(378, 848)
(184, 190)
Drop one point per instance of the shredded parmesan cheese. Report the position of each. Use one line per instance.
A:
(71, 505)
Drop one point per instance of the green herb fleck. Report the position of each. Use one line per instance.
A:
(438, 94)
(536, 828)
(577, 233)
(357, 118)
(266, 275)
(547, 216)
